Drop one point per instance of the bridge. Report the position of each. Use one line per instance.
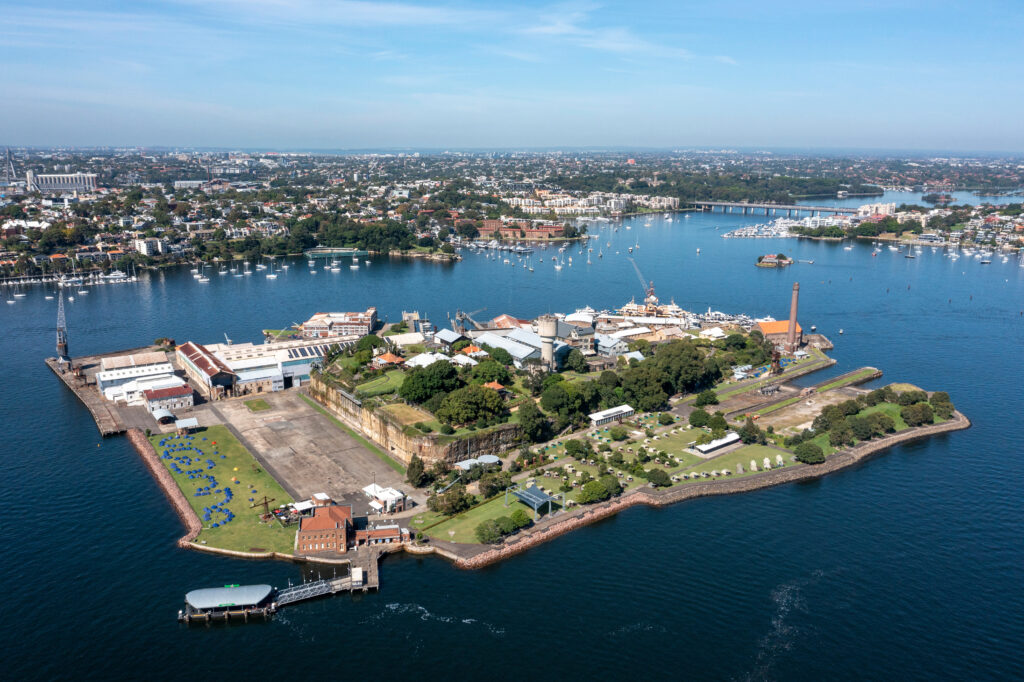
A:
(772, 209)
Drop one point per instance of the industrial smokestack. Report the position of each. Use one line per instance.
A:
(791, 337)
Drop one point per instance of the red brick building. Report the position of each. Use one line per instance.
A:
(326, 531)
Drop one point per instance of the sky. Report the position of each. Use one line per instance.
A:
(341, 74)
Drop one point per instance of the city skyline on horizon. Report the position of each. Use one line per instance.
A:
(314, 75)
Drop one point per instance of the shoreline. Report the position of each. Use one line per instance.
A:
(663, 497)
(471, 556)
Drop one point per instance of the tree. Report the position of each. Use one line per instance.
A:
(580, 449)
(699, 417)
(809, 453)
(750, 433)
(576, 362)
(436, 378)
(554, 398)
(665, 419)
(611, 484)
(912, 397)
(493, 483)
(469, 404)
(499, 354)
(416, 473)
(593, 491)
(659, 478)
(491, 370)
(735, 342)
(520, 518)
(369, 342)
(618, 433)
(916, 415)
(536, 427)
(454, 500)
(488, 532)
(717, 422)
(706, 397)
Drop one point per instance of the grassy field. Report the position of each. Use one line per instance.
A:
(408, 415)
(465, 524)
(387, 383)
(257, 405)
(846, 381)
(381, 455)
(742, 456)
(236, 469)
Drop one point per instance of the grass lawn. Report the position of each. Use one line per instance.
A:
(388, 383)
(742, 456)
(381, 455)
(408, 415)
(231, 462)
(257, 405)
(846, 381)
(465, 524)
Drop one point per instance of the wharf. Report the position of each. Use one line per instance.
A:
(108, 419)
(364, 576)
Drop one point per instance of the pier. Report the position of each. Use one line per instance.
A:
(108, 419)
(772, 209)
(242, 602)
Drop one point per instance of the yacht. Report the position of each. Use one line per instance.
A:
(311, 262)
(271, 274)
(355, 265)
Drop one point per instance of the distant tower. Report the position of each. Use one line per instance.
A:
(62, 332)
(9, 175)
(791, 337)
(547, 329)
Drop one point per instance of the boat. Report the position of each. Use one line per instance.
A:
(311, 262)
(71, 298)
(114, 276)
(630, 249)
(247, 270)
(698, 250)
(909, 255)
(355, 265)
(284, 266)
(847, 248)
(83, 291)
(49, 298)
(366, 261)
(840, 331)
(986, 261)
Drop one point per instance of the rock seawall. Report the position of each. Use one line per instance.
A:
(166, 482)
(665, 496)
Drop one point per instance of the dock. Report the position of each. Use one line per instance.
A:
(221, 605)
(108, 419)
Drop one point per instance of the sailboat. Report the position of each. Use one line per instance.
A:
(247, 271)
(355, 264)
(271, 274)
(203, 279)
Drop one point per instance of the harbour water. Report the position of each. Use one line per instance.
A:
(907, 567)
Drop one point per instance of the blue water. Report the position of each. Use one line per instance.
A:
(908, 566)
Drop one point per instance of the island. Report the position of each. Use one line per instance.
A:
(344, 439)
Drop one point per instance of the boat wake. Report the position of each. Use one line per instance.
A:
(424, 614)
(788, 602)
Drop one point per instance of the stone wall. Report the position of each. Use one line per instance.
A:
(397, 441)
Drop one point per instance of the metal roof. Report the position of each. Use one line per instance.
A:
(161, 413)
(229, 595)
(467, 464)
(533, 496)
(488, 459)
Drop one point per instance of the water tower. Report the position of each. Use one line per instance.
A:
(547, 329)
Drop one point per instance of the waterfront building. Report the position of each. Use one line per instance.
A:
(778, 330)
(327, 530)
(323, 325)
(134, 392)
(119, 376)
(447, 337)
(612, 414)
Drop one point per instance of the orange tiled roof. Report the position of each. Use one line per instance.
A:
(777, 327)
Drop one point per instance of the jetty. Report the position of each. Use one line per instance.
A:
(105, 414)
(245, 602)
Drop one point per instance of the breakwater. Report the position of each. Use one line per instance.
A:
(660, 497)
